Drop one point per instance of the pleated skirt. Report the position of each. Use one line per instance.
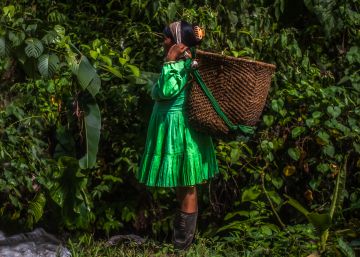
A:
(175, 154)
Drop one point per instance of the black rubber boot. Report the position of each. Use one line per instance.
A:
(184, 229)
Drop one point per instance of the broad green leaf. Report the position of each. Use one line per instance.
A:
(15, 201)
(48, 65)
(60, 30)
(282, 5)
(316, 115)
(265, 230)
(65, 180)
(266, 145)
(126, 53)
(246, 214)
(297, 131)
(34, 47)
(277, 182)
(112, 178)
(345, 249)
(343, 80)
(235, 154)
(94, 54)
(322, 138)
(329, 150)
(277, 11)
(235, 53)
(250, 194)
(69, 192)
(310, 122)
(92, 129)
(339, 190)
(113, 70)
(73, 62)
(106, 59)
(96, 43)
(87, 76)
(283, 38)
(16, 38)
(356, 147)
(66, 143)
(334, 111)
(294, 153)
(322, 167)
(321, 222)
(4, 47)
(50, 37)
(314, 183)
(353, 55)
(94, 85)
(14, 109)
(123, 61)
(36, 207)
(269, 156)
(268, 120)
(294, 203)
(277, 105)
(245, 52)
(31, 28)
(9, 11)
(135, 70)
(305, 62)
(233, 17)
(275, 197)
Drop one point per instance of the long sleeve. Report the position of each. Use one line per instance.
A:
(173, 78)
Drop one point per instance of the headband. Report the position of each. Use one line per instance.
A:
(175, 29)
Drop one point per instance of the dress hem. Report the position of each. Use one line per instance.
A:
(204, 181)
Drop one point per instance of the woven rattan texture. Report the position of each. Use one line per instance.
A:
(239, 85)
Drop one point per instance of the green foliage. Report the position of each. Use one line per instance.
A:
(86, 245)
(48, 65)
(64, 64)
(34, 47)
(36, 208)
(322, 221)
(87, 76)
(92, 122)
(68, 190)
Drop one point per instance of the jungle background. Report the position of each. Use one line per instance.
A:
(74, 107)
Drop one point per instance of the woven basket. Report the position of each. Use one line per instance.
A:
(239, 85)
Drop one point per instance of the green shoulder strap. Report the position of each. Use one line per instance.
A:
(216, 106)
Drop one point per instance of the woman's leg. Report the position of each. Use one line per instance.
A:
(185, 218)
(187, 198)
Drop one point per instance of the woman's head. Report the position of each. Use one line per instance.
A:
(180, 32)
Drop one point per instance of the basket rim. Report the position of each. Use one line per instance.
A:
(236, 59)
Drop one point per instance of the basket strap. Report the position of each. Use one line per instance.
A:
(217, 108)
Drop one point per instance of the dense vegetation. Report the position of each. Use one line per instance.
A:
(74, 107)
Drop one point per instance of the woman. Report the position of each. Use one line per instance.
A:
(175, 154)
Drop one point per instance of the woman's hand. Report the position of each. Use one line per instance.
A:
(175, 51)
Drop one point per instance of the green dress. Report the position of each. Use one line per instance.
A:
(175, 154)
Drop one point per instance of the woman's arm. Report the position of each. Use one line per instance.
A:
(173, 78)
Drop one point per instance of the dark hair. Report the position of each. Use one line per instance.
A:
(187, 34)
(167, 33)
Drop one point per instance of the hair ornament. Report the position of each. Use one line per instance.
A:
(199, 33)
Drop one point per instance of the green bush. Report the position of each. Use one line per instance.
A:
(75, 107)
